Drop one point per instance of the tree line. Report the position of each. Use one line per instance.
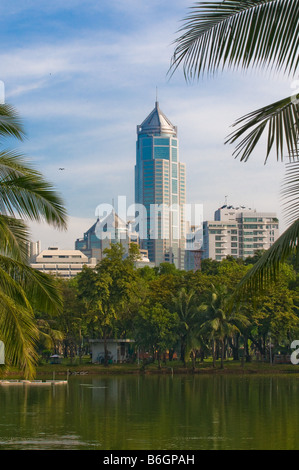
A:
(195, 315)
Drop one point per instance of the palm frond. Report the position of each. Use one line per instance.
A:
(10, 123)
(281, 119)
(23, 190)
(265, 270)
(290, 191)
(42, 290)
(19, 334)
(238, 33)
(14, 238)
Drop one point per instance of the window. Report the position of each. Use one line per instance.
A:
(161, 141)
(147, 153)
(174, 186)
(161, 152)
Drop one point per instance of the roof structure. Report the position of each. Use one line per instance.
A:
(157, 123)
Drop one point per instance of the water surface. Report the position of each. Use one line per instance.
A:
(152, 413)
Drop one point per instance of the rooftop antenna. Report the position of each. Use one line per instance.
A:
(226, 200)
(157, 96)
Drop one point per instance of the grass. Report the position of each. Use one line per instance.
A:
(173, 367)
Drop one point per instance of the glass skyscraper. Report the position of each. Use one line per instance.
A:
(160, 190)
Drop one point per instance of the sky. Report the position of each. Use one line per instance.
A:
(83, 74)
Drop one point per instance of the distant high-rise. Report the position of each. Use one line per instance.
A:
(160, 188)
(238, 232)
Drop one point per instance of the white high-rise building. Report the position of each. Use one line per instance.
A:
(238, 232)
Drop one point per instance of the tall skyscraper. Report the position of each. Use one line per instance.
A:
(160, 188)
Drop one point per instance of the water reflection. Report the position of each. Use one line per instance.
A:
(152, 412)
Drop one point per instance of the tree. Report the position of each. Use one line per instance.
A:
(155, 329)
(221, 321)
(105, 290)
(24, 195)
(244, 34)
(185, 306)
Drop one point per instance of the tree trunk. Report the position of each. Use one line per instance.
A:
(159, 358)
(246, 349)
(193, 355)
(105, 349)
(213, 352)
(234, 344)
(183, 352)
(222, 353)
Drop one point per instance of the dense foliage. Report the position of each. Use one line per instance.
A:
(173, 313)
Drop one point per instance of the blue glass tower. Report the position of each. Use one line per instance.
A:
(160, 185)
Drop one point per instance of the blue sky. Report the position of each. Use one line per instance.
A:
(83, 74)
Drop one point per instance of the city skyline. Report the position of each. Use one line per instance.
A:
(82, 75)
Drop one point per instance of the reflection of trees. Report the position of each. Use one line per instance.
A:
(155, 412)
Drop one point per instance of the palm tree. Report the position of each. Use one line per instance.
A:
(244, 34)
(221, 322)
(185, 305)
(24, 195)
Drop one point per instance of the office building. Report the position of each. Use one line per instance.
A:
(62, 263)
(238, 232)
(160, 190)
(107, 230)
(193, 253)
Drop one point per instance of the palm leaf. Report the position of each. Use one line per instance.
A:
(19, 334)
(22, 289)
(24, 191)
(282, 121)
(290, 191)
(265, 270)
(10, 123)
(14, 237)
(238, 33)
(41, 290)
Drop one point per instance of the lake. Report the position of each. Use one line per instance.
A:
(152, 413)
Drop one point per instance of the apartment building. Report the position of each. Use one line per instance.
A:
(238, 232)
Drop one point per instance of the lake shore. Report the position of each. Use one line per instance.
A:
(171, 368)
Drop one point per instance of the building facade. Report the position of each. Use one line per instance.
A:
(193, 253)
(62, 263)
(238, 232)
(160, 190)
(107, 230)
